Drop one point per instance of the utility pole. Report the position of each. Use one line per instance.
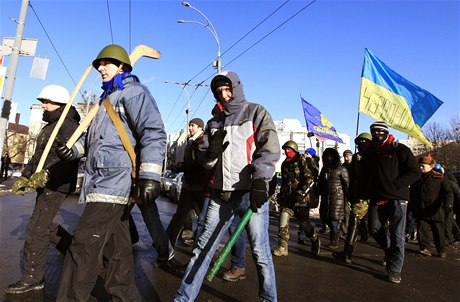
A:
(188, 96)
(11, 74)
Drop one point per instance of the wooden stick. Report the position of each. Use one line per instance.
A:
(136, 54)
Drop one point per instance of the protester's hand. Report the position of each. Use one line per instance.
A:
(20, 185)
(360, 208)
(64, 152)
(216, 144)
(38, 180)
(146, 190)
(258, 195)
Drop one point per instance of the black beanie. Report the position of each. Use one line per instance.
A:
(197, 121)
(220, 80)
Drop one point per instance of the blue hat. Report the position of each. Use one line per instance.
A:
(439, 168)
(311, 151)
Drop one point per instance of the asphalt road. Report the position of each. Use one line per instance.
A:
(300, 276)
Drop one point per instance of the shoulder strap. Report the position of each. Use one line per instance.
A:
(122, 132)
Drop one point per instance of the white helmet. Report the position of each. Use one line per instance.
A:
(55, 93)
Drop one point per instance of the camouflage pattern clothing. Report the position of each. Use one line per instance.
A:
(296, 179)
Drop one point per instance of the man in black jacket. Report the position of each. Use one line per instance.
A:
(53, 184)
(192, 192)
(391, 168)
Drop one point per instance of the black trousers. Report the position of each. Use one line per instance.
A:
(438, 231)
(189, 200)
(40, 231)
(101, 233)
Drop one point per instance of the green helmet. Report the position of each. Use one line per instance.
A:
(291, 144)
(364, 135)
(116, 52)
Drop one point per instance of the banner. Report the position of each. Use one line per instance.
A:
(318, 124)
(387, 96)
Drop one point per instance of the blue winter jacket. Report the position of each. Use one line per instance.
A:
(108, 166)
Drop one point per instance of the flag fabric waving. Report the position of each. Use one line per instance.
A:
(318, 124)
(387, 96)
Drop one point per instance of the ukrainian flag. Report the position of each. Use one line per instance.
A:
(387, 96)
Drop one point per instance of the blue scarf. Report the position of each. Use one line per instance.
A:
(116, 83)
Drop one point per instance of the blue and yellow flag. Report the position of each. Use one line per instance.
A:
(388, 97)
(318, 124)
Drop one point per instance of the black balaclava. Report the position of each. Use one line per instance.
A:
(379, 138)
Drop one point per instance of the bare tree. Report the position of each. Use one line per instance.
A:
(446, 143)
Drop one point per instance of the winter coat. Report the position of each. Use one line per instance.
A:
(253, 148)
(194, 173)
(455, 190)
(296, 179)
(359, 188)
(333, 185)
(63, 174)
(108, 165)
(391, 168)
(431, 196)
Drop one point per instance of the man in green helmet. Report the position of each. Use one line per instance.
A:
(102, 237)
(295, 195)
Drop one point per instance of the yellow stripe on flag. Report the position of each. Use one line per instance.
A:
(384, 105)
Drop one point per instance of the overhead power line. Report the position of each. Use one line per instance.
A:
(254, 44)
(52, 44)
(268, 34)
(110, 20)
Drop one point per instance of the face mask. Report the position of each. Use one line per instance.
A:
(379, 138)
(289, 153)
(362, 147)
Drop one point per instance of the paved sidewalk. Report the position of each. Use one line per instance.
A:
(300, 277)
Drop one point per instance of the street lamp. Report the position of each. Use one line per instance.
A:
(210, 27)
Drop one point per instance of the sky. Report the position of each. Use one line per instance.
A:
(284, 50)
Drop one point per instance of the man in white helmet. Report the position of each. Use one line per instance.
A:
(53, 185)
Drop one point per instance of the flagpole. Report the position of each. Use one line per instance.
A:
(308, 130)
(357, 126)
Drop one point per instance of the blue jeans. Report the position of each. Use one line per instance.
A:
(239, 248)
(219, 217)
(393, 241)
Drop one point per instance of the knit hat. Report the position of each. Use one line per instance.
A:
(311, 151)
(427, 160)
(381, 126)
(197, 121)
(347, 152)
(220, 80)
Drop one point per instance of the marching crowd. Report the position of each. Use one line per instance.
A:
(229, 167)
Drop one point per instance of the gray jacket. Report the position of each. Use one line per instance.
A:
(254, 147)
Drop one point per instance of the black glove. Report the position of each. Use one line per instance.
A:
(216, 144)
(63, 152)
(258, 195)
(146, 191)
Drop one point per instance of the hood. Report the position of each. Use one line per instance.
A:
(331, 158)
(238, 98)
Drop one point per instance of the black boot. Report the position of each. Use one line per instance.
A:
(348, 251)
(345, 255)
(21, 287)
(334, 239)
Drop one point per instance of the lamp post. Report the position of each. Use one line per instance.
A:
(188, 95)
(210, 27)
